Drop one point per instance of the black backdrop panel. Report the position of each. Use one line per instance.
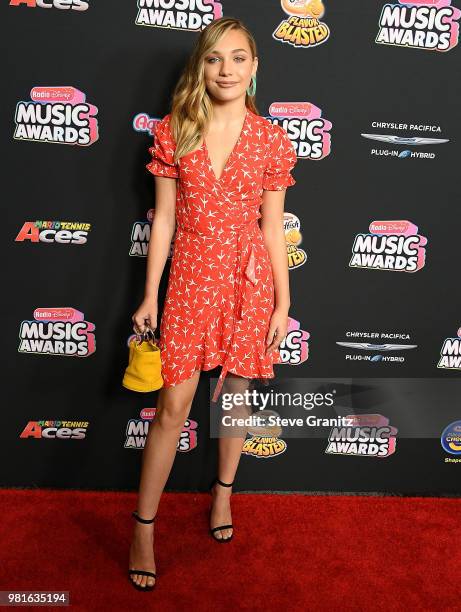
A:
(388, 174)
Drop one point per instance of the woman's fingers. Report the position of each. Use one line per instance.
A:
(140, 326)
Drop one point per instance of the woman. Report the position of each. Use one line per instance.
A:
(219, 167)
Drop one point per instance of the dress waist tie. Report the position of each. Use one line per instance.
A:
(244, 239)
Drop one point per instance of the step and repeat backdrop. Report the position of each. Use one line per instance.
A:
(369, 93)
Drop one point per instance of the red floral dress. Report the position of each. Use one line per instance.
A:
(220, 293)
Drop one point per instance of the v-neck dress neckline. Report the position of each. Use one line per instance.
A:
(207, 154)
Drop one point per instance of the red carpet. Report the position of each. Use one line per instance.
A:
(291, 551)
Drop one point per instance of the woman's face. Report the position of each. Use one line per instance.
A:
(229, 66)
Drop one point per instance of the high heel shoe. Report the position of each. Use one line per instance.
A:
(142, 572)
(213, 530)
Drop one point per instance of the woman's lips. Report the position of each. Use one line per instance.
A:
(226, 84)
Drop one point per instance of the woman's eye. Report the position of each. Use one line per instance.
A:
(210, 60)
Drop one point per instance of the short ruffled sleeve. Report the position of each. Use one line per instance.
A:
(282, 159)
(162, 151)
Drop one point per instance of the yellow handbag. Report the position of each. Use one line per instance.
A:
(144, 370)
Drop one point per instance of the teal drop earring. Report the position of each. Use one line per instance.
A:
(252, 87)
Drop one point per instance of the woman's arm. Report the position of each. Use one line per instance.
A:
(272, 211)
(162, 230)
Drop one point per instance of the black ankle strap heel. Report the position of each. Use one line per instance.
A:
(142, 520)
(222, 539)
(223, 484)
(142, 572)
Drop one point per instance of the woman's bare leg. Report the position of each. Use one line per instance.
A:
(230, 451)
(173, 407)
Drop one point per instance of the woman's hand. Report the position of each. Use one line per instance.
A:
(145, 316)
(278, 328)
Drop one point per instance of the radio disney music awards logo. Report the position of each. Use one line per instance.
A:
(65, 5)
(137, 430)
(415, 142)
(304, 124)
(264, 439)
(420, 24)
(302, 28)
(48, 232)
(55, 430)
(58, 115)
(367, 435)
(450, 355)
(451, 441)
(296, 255)
(57, 331)
(140, 236)
(394, 246)
(190, 15)
(379, 349)
(294, 348)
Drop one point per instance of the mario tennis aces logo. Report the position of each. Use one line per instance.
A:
(60, 232)
(421, 24)
(75, 5)
(58, 115)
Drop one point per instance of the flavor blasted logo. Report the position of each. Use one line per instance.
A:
(304, 121)
(57, 331)
(450, 355)
(303, 28)
(394, 246)
(421, 24)
(264, 447)
(62, 232)
(58, 115)
(137, 429)
(296, 256)
(264, 441)
(369, 436)
(294, 348)
(189, 15)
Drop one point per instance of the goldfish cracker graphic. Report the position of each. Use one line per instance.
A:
(316, 9)
(304, 8)
(293, 236)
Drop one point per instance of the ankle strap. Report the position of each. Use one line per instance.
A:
(142, 520)
(224, 484)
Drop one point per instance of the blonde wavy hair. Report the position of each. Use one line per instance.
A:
(191, 107)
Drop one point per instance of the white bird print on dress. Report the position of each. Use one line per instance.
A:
(213, 314)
